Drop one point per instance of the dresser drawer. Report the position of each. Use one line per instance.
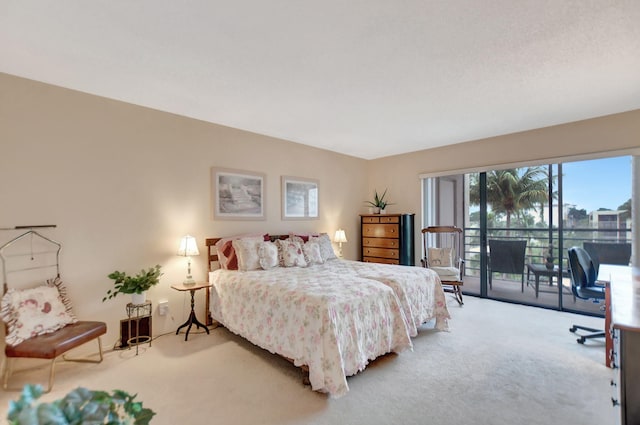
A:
(371, 219)
(380, 260)
(379, 230)
(389, 219)
(380, 242)
(381, 252)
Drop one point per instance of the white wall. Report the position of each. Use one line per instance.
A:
(597, 137)
(124, 183)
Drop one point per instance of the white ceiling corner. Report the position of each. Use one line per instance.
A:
(365, 78)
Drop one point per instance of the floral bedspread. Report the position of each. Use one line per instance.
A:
(316, 316)
(419, 290)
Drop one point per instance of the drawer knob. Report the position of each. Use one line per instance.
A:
(614, 402)
(613, 383)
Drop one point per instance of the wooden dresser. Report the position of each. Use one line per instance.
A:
(625, 356)
(388, 238)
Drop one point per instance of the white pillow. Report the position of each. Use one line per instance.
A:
(227, 257)
(247, 253)
(268, 255)
(36, 311)
(326, 248)
(440, 257)
(290, 253)
(312, 253)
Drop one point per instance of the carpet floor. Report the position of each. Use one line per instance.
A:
(499, 364)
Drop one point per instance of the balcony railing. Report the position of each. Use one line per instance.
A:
(538, 242)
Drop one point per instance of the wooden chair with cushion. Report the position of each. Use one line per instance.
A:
(39, 321)
(443, 254)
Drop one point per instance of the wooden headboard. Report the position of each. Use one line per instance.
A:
(212, 257)
(212, 252)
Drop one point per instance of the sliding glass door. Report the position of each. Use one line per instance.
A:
(519, 222)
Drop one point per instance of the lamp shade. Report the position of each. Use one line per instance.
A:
(188, 246)
(340, 236)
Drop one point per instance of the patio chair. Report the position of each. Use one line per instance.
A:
(507, 256)
(584, 273)
(608, 253)
(443, 254)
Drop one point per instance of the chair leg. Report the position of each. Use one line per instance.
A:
(52, 374)
(8, 363)
(87, 359)
(458, 294)
(596, 333)
(583, 328)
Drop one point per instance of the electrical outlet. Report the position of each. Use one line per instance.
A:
(163, 307)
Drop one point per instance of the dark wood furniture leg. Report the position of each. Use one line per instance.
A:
(192, 320)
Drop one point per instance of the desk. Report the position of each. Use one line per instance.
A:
(192, 320)
(623, 311)
(542, 270)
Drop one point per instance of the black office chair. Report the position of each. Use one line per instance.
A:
(584, 274)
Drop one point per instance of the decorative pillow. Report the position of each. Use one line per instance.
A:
(440, 257)
(226, 253)
(290, 254)
(247, 253)
(227, 256)
(326, 248)
(312, 253)
(302, 237)
(36, 311)
(298, 239)
(268, 255)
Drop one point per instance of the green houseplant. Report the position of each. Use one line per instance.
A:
(379, 202)
(138, 284)
(80, 406)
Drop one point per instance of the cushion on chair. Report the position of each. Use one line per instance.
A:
(51, 345)
(447, 273)
(35, 311)
(440, 257)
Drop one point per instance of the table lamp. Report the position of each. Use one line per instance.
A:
(188, 248)
(340, 237)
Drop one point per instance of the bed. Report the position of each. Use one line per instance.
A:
(331, 317)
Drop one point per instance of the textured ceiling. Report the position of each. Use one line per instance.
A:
(368, 78)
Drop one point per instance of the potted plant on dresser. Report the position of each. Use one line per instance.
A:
(379, 204)
(137, 285)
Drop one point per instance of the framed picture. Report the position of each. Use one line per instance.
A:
(300, 200)
(237, 194)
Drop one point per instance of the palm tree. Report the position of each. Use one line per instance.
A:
(512, 192)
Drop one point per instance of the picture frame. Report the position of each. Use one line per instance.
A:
(237, 194)
(300, 198)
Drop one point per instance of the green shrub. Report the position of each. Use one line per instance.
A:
(80, 406)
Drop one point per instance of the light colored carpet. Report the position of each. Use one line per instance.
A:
(499, 364)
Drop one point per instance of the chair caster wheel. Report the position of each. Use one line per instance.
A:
(572, 329)
(580, 341)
